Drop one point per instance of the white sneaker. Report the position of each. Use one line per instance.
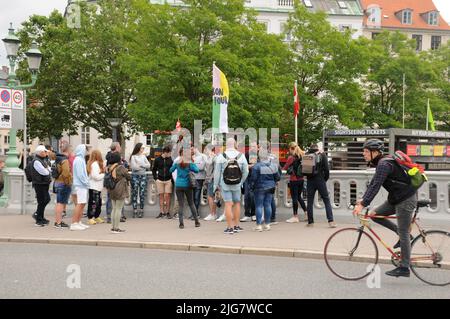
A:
(83, 225)
(266, 227)
(221, 218)
(273, 223)
(293, 219)
(258, 228)
(246, 219)
(209, 217)
(254, 218)
(76, 227)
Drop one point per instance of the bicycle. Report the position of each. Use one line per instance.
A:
(428, 250)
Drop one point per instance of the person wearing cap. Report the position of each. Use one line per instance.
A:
(402, 200)
(41, 179)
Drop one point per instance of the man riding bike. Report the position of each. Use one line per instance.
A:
(401, 201)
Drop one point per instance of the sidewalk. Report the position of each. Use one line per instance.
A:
(286, 240)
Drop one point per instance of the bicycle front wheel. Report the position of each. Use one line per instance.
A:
(351, 254)
(430, 257)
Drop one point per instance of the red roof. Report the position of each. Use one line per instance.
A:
(390, 7)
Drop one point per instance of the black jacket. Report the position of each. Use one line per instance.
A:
(161, 168)
(38, 179)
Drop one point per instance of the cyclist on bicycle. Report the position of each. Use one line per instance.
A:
(401, 201)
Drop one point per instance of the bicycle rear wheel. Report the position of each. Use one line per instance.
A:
(351, 245)
(430, 257)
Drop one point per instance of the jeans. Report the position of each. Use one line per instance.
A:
(404, 212)
(274, 210)
(94, 204)
(43, 198)
(318, 184)
(263, 199)
(181, 193)
(117, 206)
(296, 188)
(198, 193)
(138, 189)
(249, 201)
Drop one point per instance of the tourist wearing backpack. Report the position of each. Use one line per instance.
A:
(262, 182)
(139, 166)
(120, 190)
(40, 173)
(185, 183)
(296, 181)
(315, 168)
(63, 183)
(96, 173)
(230, 172)
(402, 199)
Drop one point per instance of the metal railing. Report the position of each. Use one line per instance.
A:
(344, 188)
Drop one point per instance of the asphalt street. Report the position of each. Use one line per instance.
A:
(46, 271)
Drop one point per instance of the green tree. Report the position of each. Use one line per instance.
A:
(392, 55)
(327, 64)
(171, 53)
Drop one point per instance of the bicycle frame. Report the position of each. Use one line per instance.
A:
(364, 220)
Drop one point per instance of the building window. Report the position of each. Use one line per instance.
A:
(433, 18)
(307, 3)
(374, 35)
(287, 36)
(418, 39)
(435, 42)
(342, 4)
(265, 24)
(407, 17)
(6, 139)
(86, 135)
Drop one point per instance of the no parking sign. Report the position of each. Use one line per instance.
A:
(5, 98)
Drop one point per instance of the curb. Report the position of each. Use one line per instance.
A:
(273, 252)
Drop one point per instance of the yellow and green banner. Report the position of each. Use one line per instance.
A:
(221, 95)
(430, 120)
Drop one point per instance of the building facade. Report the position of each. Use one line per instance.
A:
(417, 19)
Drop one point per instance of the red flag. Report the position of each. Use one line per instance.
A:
(178, 126)
(296, 101)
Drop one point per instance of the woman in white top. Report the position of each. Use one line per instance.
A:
(139, 166)
(96, 173)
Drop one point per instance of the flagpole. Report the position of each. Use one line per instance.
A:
(403, 100)
(428, 112)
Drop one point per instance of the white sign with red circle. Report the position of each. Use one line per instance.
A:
(17, 99)
(5, 98)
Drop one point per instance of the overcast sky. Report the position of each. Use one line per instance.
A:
(18, 11)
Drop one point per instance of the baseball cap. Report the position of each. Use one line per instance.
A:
(40, 148)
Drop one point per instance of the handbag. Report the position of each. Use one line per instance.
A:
(192, 180)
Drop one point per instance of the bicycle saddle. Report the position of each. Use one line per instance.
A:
(423, 203)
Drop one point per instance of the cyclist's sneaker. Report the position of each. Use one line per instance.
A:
(399, 272)
(229, 231)
(397, 245)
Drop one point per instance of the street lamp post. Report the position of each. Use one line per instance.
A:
(34, 56)
(114, 123)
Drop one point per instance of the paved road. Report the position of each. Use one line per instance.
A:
(40, 271)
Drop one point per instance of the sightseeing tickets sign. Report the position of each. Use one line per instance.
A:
(221, 94)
